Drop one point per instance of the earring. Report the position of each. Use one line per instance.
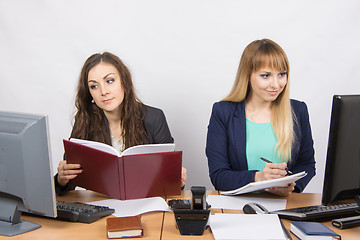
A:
(92, 101)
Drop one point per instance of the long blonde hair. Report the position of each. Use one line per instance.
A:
(259, 54)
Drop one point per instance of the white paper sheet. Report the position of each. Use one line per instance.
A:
(133, 207)
(246, 226)
(238, 202)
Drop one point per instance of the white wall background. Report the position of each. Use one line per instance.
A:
(183, 56)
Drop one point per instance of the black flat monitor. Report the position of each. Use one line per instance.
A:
(342, 171)
(26, 181)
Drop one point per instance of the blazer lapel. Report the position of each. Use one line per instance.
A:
(239, 122)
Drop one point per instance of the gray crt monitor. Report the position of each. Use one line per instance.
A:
(26, 181)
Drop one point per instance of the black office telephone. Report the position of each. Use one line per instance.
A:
(193, 220)
(183, 204)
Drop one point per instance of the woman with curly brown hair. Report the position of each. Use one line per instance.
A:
(108, 111)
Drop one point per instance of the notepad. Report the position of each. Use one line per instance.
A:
(256, 186)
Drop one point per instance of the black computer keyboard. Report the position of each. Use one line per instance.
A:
(81, 212)
(319, 212)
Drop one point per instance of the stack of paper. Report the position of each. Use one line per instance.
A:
(246, 226)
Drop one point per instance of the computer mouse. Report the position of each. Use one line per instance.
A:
(255, 208)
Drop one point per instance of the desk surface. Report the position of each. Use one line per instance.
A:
(157, 225)
(55, 229)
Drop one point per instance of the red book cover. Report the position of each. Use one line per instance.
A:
(126, 177)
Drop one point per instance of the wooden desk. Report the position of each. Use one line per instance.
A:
(54, 229)
(307, 199)
(157, 225)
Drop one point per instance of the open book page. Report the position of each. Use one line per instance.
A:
(149, 148)
(139, 149)
(97, 145)
(256, 186)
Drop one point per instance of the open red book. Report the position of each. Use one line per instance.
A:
(139, 172)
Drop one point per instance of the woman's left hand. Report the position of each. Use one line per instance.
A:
(282, 191)
(183, 176)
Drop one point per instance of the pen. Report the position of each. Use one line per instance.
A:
(268, 161)
(286, 232)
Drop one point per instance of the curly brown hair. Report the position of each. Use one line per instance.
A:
(90, 120)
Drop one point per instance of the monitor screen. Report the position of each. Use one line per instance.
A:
(342, 171)
(26, 181)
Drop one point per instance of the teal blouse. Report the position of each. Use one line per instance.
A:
(260, 142)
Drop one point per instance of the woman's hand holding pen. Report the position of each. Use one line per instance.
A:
(282, 191)
(272, 171)
(67, 172)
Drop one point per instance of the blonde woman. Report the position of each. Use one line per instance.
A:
(258, 120)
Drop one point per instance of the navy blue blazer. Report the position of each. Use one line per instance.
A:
(226, 146)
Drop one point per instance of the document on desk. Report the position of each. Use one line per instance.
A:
(246, 226)
(256, 186)
(133, 207)
(238, 202)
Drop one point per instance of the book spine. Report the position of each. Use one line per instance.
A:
(121, 178)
